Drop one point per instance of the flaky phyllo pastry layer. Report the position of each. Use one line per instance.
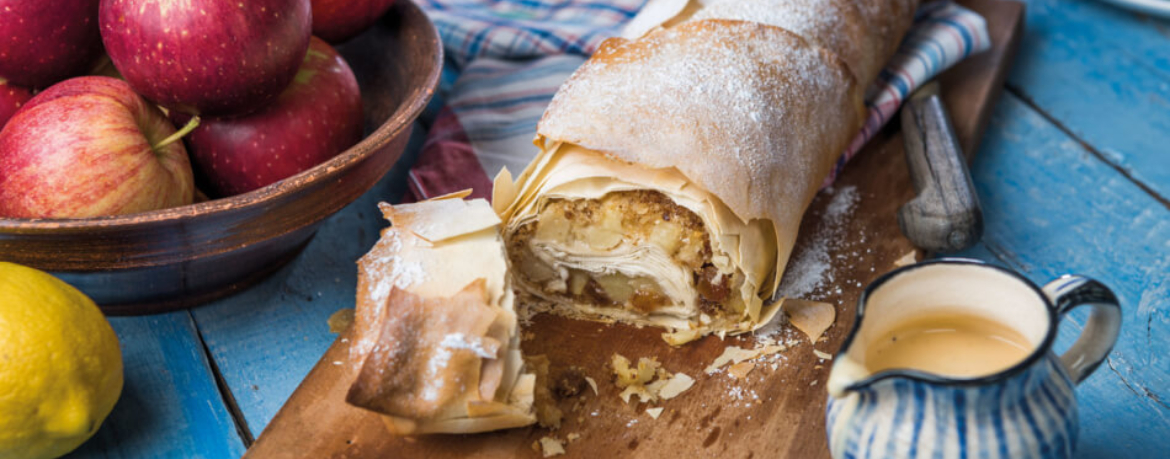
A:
(601, 238)
(674, 168)
(436, 337)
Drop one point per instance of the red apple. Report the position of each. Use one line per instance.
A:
(336, 21)
(11, 98)
(88, 147)
(43, 42)
(318, 116)
(208, 57)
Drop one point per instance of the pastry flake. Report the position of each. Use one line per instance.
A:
(741, 370)
(592, 384)
(551, 446)
(810, 317)
(908, 259)
(436, 345)
(735, 355)
(430, 352)
(676, 385)
(340, 320)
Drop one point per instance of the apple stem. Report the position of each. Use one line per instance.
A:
(190, 126)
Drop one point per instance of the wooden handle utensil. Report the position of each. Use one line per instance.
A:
(945, 215)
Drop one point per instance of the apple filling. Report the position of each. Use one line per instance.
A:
(606, 236)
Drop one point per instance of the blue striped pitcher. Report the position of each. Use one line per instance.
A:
(1028, 410)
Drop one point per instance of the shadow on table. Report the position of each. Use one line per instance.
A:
(125, 429)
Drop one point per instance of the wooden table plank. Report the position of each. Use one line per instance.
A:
(170, 406)
(266, 339)
(1104, 74)
(1051, 208)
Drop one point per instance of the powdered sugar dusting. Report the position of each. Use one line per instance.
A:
(772, 331)
(439, 359)
(401, 274)
(408, 274)
(383, 269)
(749, 112)
(839, 26)
(740, 391)
(435, 367)
(811, 268)
(841, 206)
(462, 341)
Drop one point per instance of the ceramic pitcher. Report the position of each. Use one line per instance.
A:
(1026, 411)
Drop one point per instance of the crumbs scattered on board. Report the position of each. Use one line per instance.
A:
(745, 366)
(810, 286)
(648, 380)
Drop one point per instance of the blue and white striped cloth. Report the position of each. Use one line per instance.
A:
(943, 34)
(511, 56)
(526, 29)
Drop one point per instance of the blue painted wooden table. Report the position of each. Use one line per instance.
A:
(1074, 176)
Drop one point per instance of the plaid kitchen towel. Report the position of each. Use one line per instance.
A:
(506, 59)
(526, 29)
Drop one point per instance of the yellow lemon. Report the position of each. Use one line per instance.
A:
(60, 365)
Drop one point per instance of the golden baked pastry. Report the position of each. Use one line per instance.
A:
(675, 167)
(436, 338)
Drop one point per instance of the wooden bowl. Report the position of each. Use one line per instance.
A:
(180, 257)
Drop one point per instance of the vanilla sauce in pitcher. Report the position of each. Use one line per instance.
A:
(956, 345)
(953, 359)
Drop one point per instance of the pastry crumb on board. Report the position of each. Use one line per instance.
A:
(909, 258)
(810, 317)
(592, 384)
(548, 414)
(736, 355)
(340, 320)
(676, 385)
(680, 337)
(649, 381)
(549, 446)
(741, 369)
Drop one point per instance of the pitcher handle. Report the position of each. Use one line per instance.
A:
(1101, 330)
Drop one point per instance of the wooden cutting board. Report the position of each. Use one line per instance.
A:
(850, 232)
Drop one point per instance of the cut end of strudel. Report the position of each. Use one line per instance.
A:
(604, 239)
(436, 339)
